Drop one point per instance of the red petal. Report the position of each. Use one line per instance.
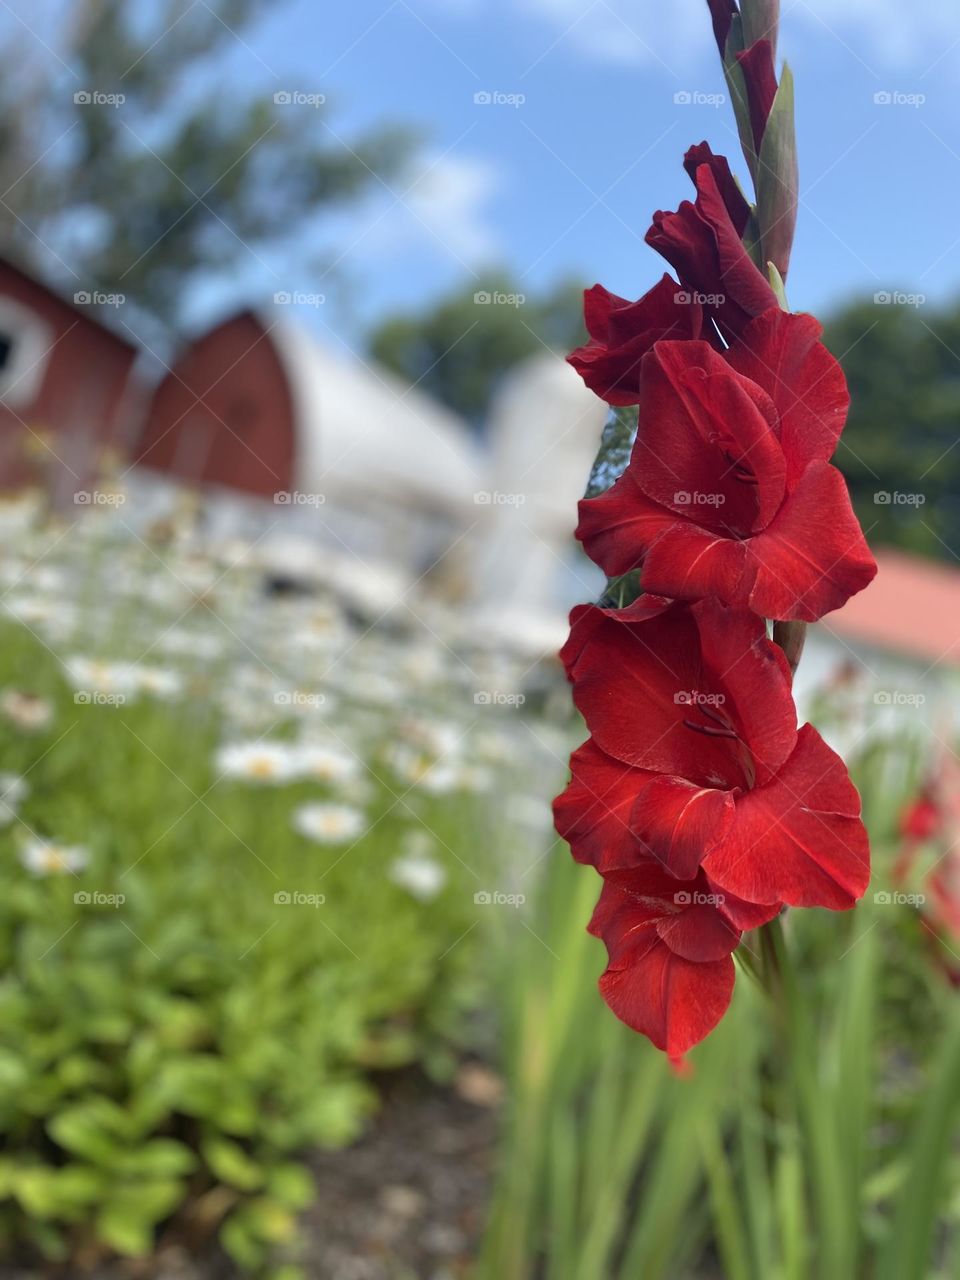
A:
(674, 1002)
(679, 822)
(631, 682)
(813, 557)
(700, 933)
(740, 279)
(733, 197)
(761, 80)
(587, 619)
(782, 353)
(617, 527)
(703, 432)
(593, 813)
(622, 332)
(654, 927)
(722, 13)
(701, 242)
(744, 915)
(799, 839)
(756, 680)
(687, 562)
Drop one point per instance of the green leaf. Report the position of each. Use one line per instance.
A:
(908, 1248)
(158, 1158)
(778, 179)
(128, 1220)
(92, 1129)
(614, 452)
(231, 1164)
(292, 1185)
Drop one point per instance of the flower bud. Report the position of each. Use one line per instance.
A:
(761, 21)
(778, 179)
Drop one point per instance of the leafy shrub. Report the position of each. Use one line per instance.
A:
(174, 1034)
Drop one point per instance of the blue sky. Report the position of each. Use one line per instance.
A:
(562, 183)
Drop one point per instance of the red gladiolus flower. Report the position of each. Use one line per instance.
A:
(670, 971)
(722, 12)
(735, 202)
(729, 491)
(622, 332)
(756, 63)
(702, 244)
(696, 762)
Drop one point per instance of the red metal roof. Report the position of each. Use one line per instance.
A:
(912, 607)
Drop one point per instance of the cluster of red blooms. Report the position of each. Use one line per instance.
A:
(931, 826)
(698, 800)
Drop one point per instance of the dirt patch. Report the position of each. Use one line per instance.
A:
(406, 1202)
(410, 1199)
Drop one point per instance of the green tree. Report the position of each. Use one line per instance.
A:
(459, 348)
(902, 439)
(185, 174)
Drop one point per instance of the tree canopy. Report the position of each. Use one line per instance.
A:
(130, 164)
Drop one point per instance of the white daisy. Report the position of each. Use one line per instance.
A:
(328, 823)
(325, 764)
(86, 674)
(161, 682)
(419, 874)
(45, 857)
(13, 789)
(263, 762)
(26, 710)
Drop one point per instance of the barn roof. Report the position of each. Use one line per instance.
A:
(912, 608)
(361, 427)
(93, 315)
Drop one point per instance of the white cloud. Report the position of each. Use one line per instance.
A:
(451, 201)
(885, 34)
(643, 31)
(443, 208)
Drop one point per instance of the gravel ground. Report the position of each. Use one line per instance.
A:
(406, 1202)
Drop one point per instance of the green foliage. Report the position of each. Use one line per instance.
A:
(207, 177)
(902, 365)
(459, 348)
(814, 1138)
(165, 1060)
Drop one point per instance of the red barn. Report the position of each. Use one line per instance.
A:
(64, 383)
(256, 407)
